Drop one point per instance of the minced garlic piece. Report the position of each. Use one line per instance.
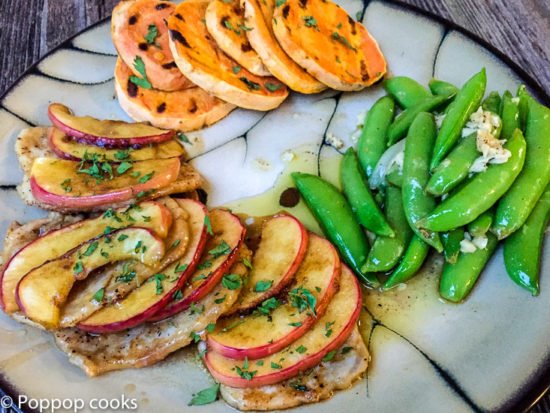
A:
(334, 141)
(471, 244)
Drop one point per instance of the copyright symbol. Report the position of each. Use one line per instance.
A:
(6, 402)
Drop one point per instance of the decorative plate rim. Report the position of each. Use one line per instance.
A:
(539, 385)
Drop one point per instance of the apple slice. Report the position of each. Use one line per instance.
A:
(56, 243)
(122, 278)
(277, 323)
(106, 133)
(67, 148)
(143, 302)
(71, 184)
(221, 252)
(309, 350)
(42, 292)
(282, 248)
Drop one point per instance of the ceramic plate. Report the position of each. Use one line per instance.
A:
(487, 354)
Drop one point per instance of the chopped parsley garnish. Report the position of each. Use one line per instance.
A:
(276, 366)
(298, 386)
(96, 166)
(208, 225)
(140, 68)
(302, 299)
(358, 15)
(232, 281)
(295, 324)
(98, 296)
(329, 356)
(135, 174)
(178, 295)
(210, 327)
(247, 263)
(233, 325)
(66, 185)
(260, 363)
(220, 300)
(182, 137)
(139, 247)
(263, 285)
(78, 267)
(204, 265)
(243, 27)
(236, 69)
(249, 83)
(196, 338)
(279, 3)
(122, 237)
(181, 267)
(244, 372)
(123, 167)
(122, 155)
(127, 274)
(328, 328)
(272, 87)
(198, 278)
(195, 309)
(104, 254)
(158, 278)
(341, 39)
(311, 22)
(301, 349)
(111, 213)
(205, 396)
(346, 350)
(146, 177)
(222, 249)
(152, 33)
(175, 243)
(91, 249)
(108, 229)
(339, 26)
(142, 194)
(267, 306)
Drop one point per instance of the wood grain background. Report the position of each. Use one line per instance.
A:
(518, 28)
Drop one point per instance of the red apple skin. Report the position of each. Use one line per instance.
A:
(191, 257)
(311, 361)
(253, 353)
(106, 141)
(86, 202)
(61, 154)
(287, 277)
(204, 288)
(166, 217)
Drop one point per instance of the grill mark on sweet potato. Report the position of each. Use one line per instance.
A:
(161, 108)
(169, 65)
(352, 24)
(286, 10)
(178, 37)
(303, 4)
(132, 89)
(132, 20)
(193, 108)
(180, 17)
(245, 47)
(364, 72)
(143, 46)
(161, 6)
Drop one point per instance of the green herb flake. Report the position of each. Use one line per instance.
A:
(140, 68)
(232, 325)
(222, 249)
(250, 84)
(276, 366)
(122, 237)
(295, 324)
(195, 309)
(204, 265)
(339, 26)
(210, 327)
(279, 3)
(182, 137)
(298, 386)
(178, 295)
(236, 69)
(205, 396)
(128, 274)
(175, 243)
(273, 87)
(346, 350)
(146, 177)
(78, 267)
(104, 254)
(341, 39)
(66, 185)
(111, 213)
(302, 299)
(196, 338)
(245, 28)
(208, 225)
(220, 300)
(122, 155)
(123, 167)
(135, 174)
(247, 263)
(301, 349)
(328, 328)
(358, 15)
(260, 363)
(91, 248)
(329, 356)
(263, 285)
(158, 279)
(152, 33)
(311, 22)
(181, 267)
(232, 281)
(267, 306)
(199, 278)
(244, 372)
(98, 296)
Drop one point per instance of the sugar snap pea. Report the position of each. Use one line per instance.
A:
(440, 87)
(414, 257)
(479, 226)
(492, 102)
(406, 91)
(418, 148)
(398, 129)
(395, 177)
(465, 103)
(514, 207)
(522, 249)
(458, 279)
(454, 168)
(386, 251)
(521, 94)
(335, 217)
(479, 193)
(510, 115)
(372, 142)
(451, 243)
(360, 198)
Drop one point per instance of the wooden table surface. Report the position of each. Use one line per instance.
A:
(518, 28)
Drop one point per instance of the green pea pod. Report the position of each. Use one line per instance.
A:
(406, 91)
(514, 207)
(386, 251)
(398, 129)
(522, 105)
(481, 225)
(522, 249)
(440, 87)
(451, 242)
(414, 257)
(492, 102)
(510, 115)
(479, 193)
(458, 279)
(455, 167)
(466, 102)
(372, 142)
(360, 198)
(416, 174)
(335, 217)
(395, 177)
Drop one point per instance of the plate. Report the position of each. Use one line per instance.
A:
(490, 353)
